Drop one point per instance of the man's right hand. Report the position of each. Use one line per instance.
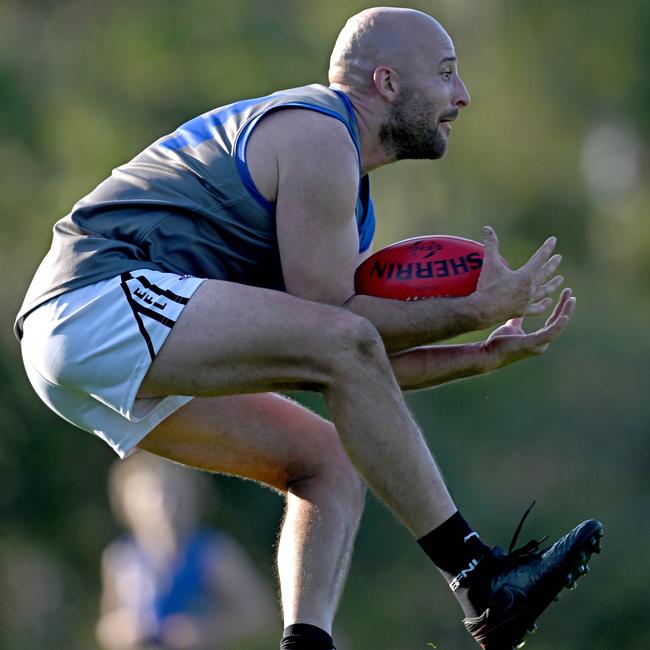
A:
(503, 293)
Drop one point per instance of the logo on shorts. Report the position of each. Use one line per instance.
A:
(146, 298)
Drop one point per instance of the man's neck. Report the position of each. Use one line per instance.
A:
(373, 154)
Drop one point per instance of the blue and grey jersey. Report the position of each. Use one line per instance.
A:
(187, 204)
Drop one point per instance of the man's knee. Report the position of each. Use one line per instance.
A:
(355, 341)
(329, 475)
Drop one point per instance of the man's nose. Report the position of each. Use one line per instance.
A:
(461, 97)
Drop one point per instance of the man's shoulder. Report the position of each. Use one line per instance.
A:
(304, 124)
(302, 144)
(309, 114)
(308, 136)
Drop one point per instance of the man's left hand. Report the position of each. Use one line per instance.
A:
(509, 343)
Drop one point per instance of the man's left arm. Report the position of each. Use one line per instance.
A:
(424, 367)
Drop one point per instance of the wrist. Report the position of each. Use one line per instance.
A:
(475, 313)
(489, 357)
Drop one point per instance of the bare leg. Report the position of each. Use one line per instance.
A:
(238, 339)
(276, 441)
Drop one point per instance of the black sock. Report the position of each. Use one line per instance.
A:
(302, 636)
(457, 550)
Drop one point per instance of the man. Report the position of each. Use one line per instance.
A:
(242, 231)
(169, 581)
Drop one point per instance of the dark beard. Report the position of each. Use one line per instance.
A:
(408, 133)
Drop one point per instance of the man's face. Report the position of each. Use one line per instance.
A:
(419, 121)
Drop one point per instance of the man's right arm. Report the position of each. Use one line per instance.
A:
(307, 164)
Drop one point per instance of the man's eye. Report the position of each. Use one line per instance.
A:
(446, 74)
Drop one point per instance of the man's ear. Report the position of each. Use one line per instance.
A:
(386, 82)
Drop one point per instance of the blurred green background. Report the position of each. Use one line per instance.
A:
(555, 142)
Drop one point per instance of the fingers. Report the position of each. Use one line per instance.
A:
(539, 341)
(548, 288)
(565, 306)
(490, 243)
(541, 257)
(537, 308)
(553, 330)
(558, 320)
(549, 333)
(570, 307)
(550, 267)
(547, 270)
(526, 291)
(564, 296)
(540, 307)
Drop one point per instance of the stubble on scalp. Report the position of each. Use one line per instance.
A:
(380, 36)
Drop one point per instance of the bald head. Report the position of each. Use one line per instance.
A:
(398, 67)
(402, 39)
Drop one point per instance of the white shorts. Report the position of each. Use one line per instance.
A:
(86, 352)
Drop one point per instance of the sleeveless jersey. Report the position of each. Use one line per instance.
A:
(187, 204)
(152, 595)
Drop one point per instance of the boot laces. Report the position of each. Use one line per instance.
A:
(529, 549)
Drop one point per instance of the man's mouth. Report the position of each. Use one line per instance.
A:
(445, 122)
(448, 117)
(445, 126)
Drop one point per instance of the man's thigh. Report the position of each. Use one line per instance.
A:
(234, 339)
(265, 437)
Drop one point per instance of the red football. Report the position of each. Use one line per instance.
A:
(422, 267)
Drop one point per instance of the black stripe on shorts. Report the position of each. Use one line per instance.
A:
(136, 308)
